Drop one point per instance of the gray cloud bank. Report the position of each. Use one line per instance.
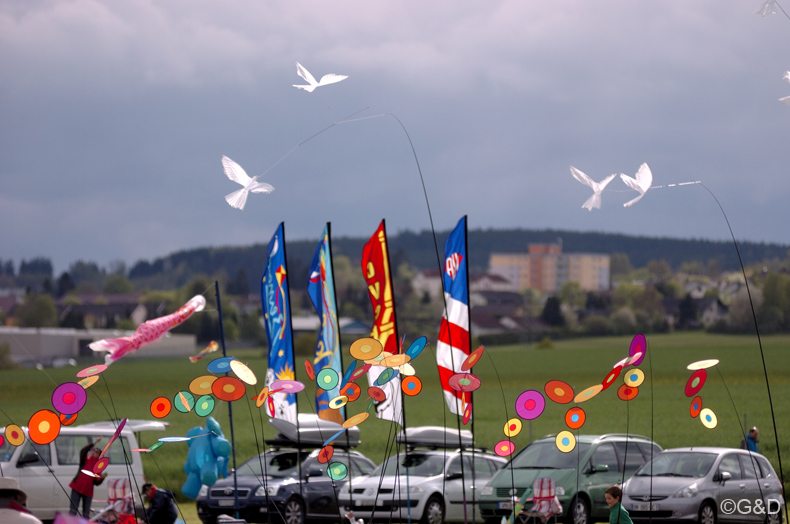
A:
(115, 116)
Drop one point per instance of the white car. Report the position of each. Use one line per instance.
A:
(44, 471)
(426, 485)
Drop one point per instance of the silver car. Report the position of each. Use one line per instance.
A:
(424, 485)
(705, 485)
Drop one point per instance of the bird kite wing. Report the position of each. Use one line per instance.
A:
(644, 177)
(235, 172)
(304, 73)
(261, 187)
(331, 78)
(581, 177)
(594, 202)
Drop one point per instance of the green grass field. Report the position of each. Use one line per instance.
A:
(734, 389)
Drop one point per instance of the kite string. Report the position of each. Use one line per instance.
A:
(297, 146)
(262, 461)
(757, 330)
(446, 313)
(33, 445)
(178, 506)
(509, 438)
(743, 432)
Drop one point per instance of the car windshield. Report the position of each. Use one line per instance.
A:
(413, 464)
(546, 455)
(277, 465)
(693, 464)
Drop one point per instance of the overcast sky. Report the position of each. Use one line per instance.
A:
(114, 116)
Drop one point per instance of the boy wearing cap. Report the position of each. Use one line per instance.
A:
(12, 504)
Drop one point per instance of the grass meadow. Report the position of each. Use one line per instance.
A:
(735, 389)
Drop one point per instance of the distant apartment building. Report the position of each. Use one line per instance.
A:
(546, 268)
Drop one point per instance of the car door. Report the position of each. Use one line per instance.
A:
(320, 491)
(34, 471)
(458, 488)
(732, 489)
(769, 485)
(598, 481)
(751, 473)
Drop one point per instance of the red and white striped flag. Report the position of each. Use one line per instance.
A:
(454, 341)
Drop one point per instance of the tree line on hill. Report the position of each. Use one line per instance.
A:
(645, 271)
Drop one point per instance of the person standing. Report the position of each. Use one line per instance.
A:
(161, 507)
(750, 440)
(82, 485)
(617, 513)
(12, 504)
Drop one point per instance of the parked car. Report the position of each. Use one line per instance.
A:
(602, 460)
(424, 484)
(705, 485)
(269, 484)
(44, 471)
(287, 483)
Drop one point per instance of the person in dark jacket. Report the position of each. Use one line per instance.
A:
(161, 507)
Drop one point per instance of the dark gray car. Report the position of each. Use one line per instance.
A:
(705, 485)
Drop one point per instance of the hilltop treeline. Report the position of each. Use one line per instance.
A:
(245, 263)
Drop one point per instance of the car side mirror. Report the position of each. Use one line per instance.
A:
(724, 476)
(600, 468)
(28, 458)
(453, 476)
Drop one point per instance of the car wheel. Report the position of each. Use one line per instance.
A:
(774, 518)
(434, 511)
(579, 512)
(294, 511)
(707, 513)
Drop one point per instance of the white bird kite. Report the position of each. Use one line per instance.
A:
(595, 200)
(642, 182)
(786, 100)
(310, 79)
(768, 8)
(235, 172)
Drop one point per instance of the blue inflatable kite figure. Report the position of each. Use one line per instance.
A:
(207, 457)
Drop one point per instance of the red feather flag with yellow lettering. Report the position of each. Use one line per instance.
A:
(376, 269)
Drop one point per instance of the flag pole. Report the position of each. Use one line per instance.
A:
(296, 397)
(340, 356)
(397, 337)
(230, 406)
(471, 393)
(337, 311)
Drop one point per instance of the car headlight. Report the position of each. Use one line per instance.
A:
(413, 489)
(261, 491)
(488, 490)
(687, 492)
(559, 490)
(203, 491)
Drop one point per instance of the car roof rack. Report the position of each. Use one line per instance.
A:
(627, 435)
(435, 437)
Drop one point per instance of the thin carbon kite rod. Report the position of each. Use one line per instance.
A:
(757, 330)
